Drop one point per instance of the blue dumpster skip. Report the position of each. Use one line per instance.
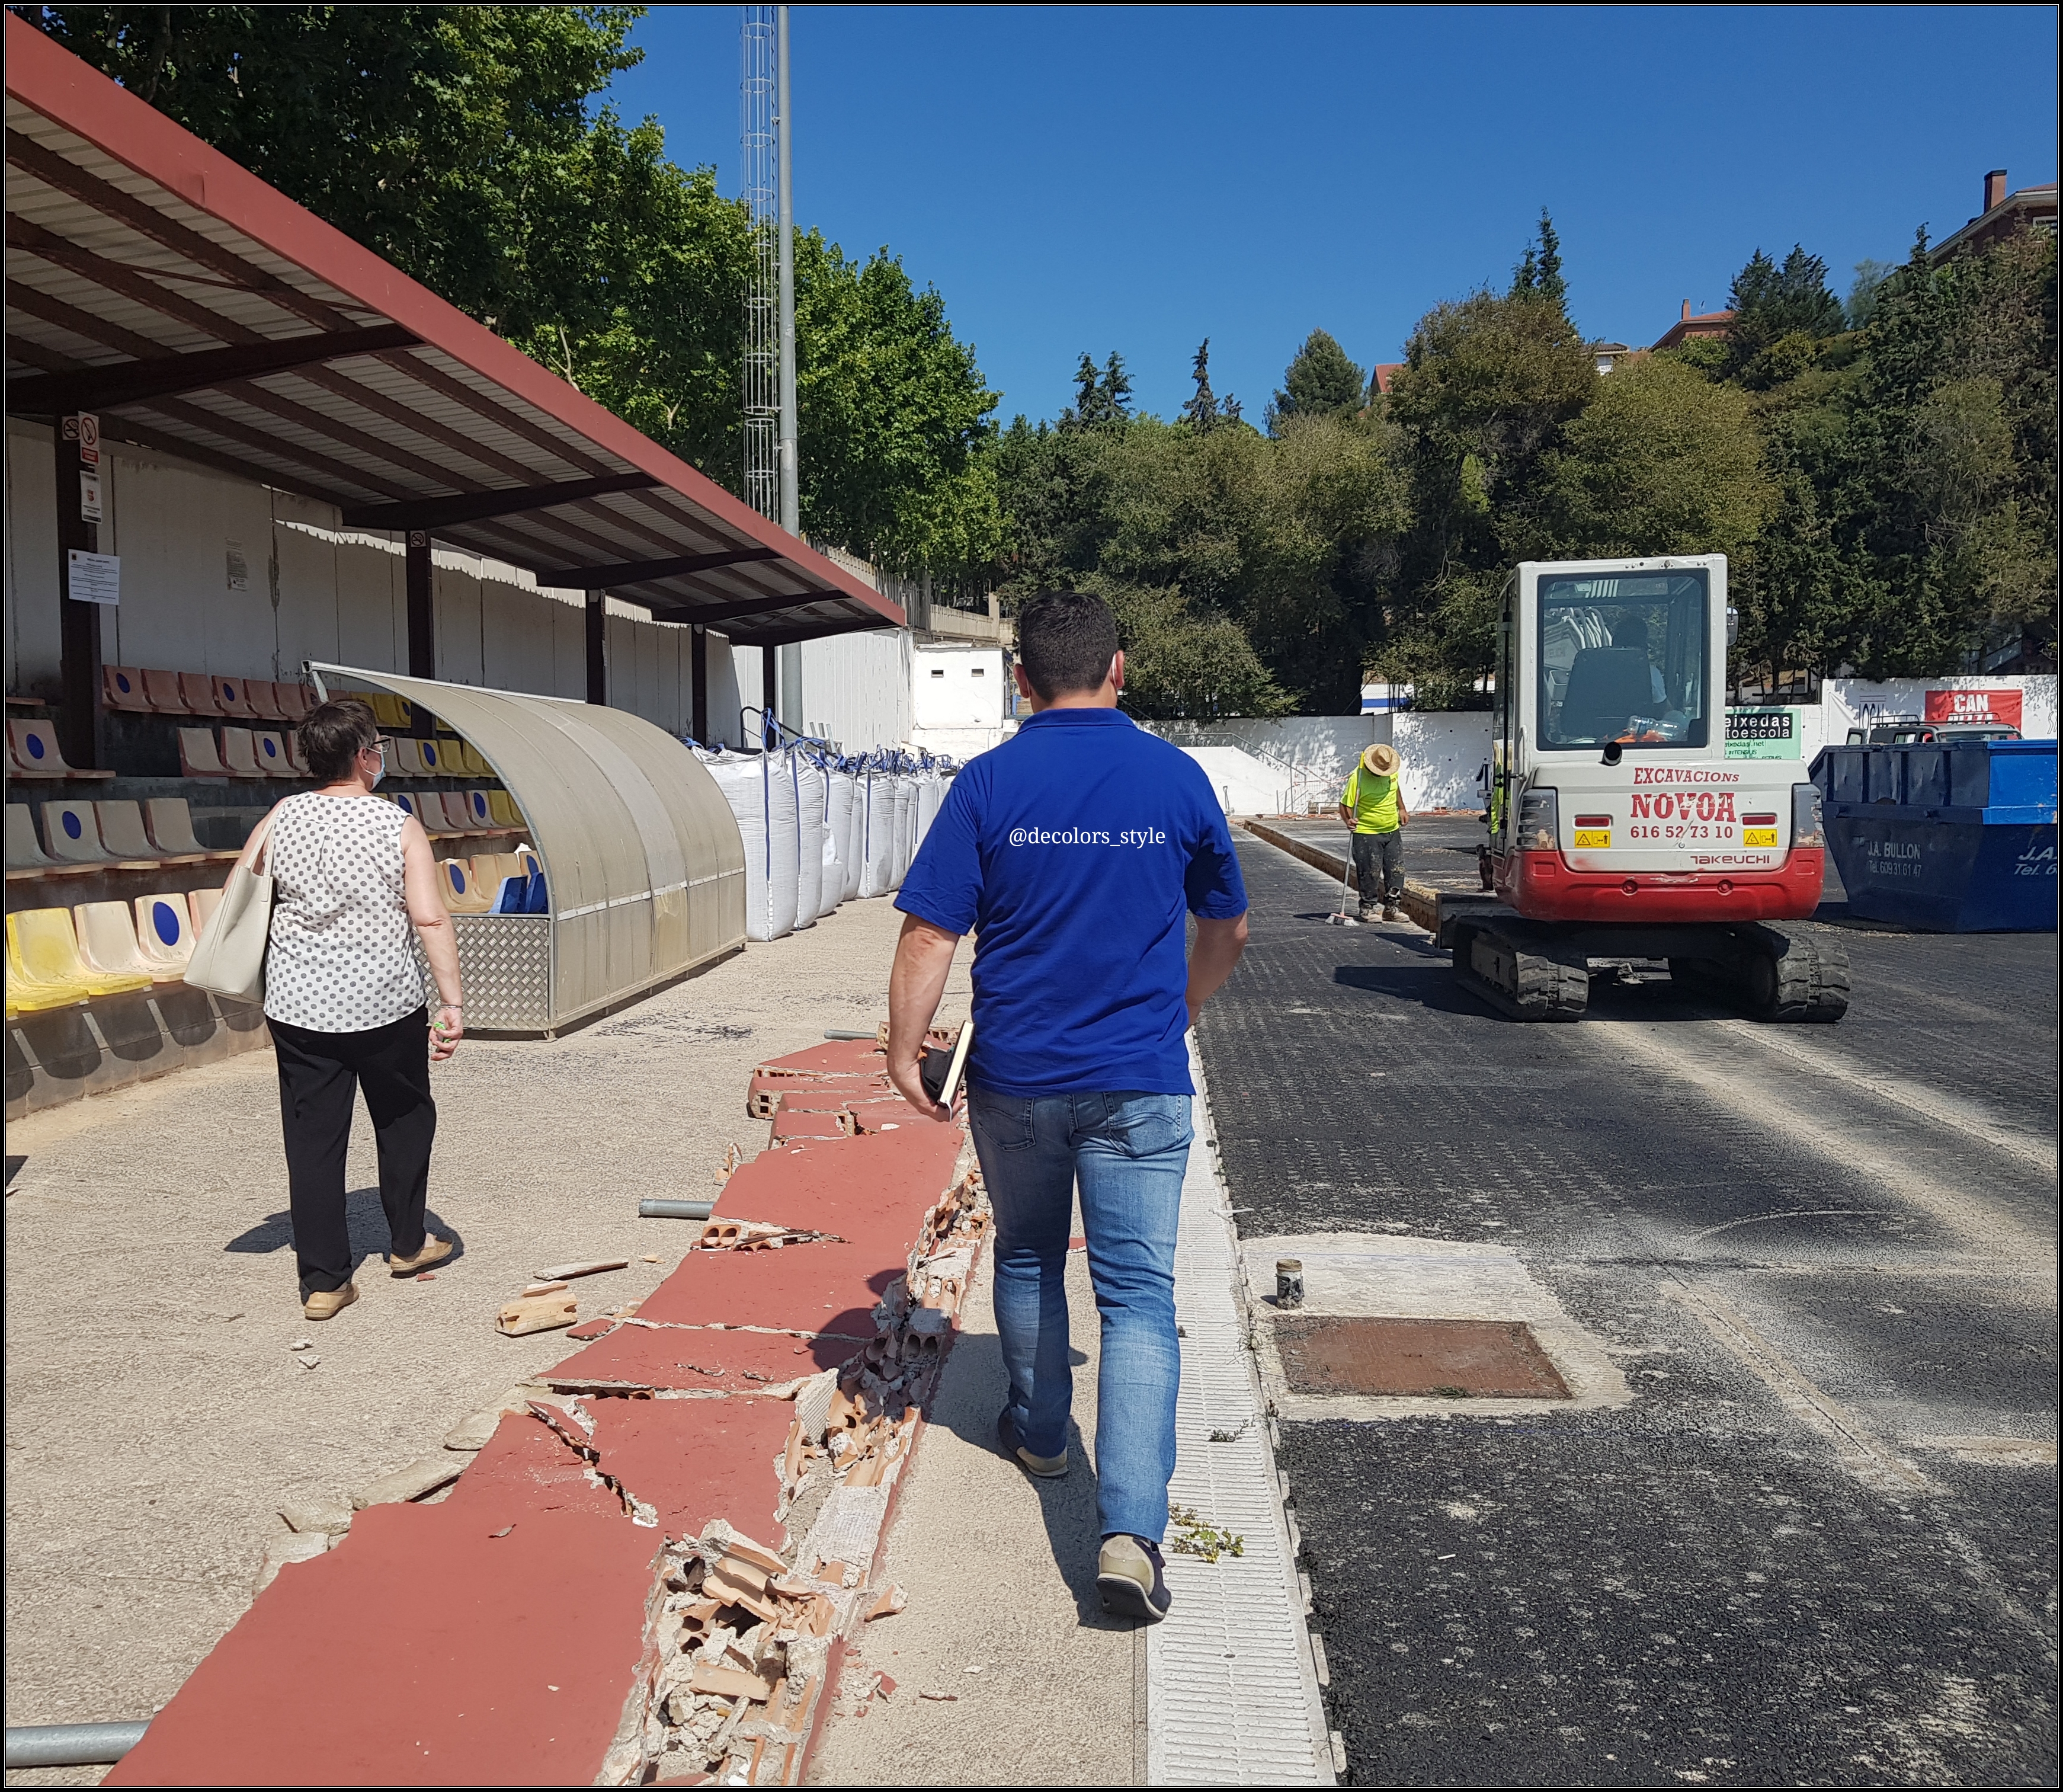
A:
(1945, 838)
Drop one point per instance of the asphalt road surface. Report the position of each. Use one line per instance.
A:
(1817, 1545)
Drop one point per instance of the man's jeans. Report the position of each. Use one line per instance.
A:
(1389, 881)
(1128, 1152)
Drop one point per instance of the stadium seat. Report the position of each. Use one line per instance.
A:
(503, 807)
(389, 710)
(32, 747)
(201, 904)
(32, 994)
(462, 896)
(479, 812)
(435, 757)
(107, 943)
(122, 833)
(409, 803)
(240, 754)
(513, 897)
(263, 695)
(458, 808)
(25, 851)
(527, 862)
(198, 757)
(162, 692)
(164, 933)
(43, 949)
(233, 695)
(168, 826)
(271, 755)
(405, 756)
(296, 699)
(197, 692)
(122, 687)
(470, 763)
(71, 834)
(293, 757)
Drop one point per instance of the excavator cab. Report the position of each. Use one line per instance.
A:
(1620, 829)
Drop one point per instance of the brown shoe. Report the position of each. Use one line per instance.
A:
(434, 1252)
(326, 1303)
(1390, 913)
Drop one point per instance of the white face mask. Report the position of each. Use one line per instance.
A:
(381, 772)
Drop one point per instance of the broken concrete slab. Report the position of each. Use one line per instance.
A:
(424, 1475)
(518, 1318)
(490, 1660)
(566, 1272)
(288, 1546)
(328, 1514)
(526, 1468)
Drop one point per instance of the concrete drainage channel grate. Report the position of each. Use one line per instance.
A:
(1233, 1694)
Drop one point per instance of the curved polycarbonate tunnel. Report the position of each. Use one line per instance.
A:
(643, 862)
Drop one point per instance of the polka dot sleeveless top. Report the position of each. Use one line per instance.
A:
(343, 958)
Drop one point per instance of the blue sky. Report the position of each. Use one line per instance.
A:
(1094, 179)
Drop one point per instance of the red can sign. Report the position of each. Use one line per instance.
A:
(1974, 706)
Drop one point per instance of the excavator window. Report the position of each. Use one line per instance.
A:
(1624, 658)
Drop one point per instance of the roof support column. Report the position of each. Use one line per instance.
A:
(597, 647)
(84, 727)
(770, 688)
(422, 607)
(698, 684)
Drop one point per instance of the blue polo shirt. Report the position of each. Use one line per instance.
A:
(1073, 852)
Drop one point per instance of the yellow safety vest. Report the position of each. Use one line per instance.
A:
(1373, 800)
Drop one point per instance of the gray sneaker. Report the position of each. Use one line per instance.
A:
(1128, 1576)
(1046, 1468)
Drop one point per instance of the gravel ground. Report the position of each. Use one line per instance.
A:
(1817, 1546)
(156, 1419)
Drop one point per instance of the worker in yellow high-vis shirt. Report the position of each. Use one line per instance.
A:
(1373, 805)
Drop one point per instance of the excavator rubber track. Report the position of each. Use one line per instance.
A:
(1775, 975)
(1515, 968)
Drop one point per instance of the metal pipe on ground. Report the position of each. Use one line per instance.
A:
(71, 1745)
(675, 1209)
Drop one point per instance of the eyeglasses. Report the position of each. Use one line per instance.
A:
(380, 745)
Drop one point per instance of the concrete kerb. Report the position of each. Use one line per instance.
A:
(739, 1641)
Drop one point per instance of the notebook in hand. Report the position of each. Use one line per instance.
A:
(942, 1071)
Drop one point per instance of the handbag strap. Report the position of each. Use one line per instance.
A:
(263, 834)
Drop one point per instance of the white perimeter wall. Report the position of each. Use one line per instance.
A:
(856, 689)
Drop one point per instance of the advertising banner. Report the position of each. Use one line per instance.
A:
(1765, 734)
(1974, 706)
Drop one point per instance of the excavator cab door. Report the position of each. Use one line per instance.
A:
(1504, 767)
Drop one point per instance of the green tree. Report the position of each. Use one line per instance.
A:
(1201, 412)
(1539, 269)
(1319, 381)
(1103, 397)
(1660, 461)
(1781, 314)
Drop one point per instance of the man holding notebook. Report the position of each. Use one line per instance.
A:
(1075, 852)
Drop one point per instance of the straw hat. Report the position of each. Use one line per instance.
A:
(1381, 760)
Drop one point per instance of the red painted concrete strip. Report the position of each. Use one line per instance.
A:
(424, 1651)
(808, 1288)
(694, 1460)
(526, 1468)
(701, 1361)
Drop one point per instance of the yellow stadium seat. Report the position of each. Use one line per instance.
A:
(436, 758)
(503, 807)
(389, 710)
(42, 949)
(107, 943)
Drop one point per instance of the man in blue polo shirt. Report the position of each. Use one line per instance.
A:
(1076, 852)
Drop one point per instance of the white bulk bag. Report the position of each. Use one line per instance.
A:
(838, 839)
(854, 853)
(906, 826)
(808, 783)
(930, 793)
(874, 821)
(762, 797)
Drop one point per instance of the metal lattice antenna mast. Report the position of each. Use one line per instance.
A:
(762, 343)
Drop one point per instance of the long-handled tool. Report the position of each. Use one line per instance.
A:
(1343, 918)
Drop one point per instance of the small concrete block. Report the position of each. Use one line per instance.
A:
(288, 1546)
(424, 1475)
(518, 1318)
(329, 1515)
(472, 1431)
(730, 1683)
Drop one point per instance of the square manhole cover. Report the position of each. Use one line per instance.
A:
(1456, 1358)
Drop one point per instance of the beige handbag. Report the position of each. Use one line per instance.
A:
(229, 958)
